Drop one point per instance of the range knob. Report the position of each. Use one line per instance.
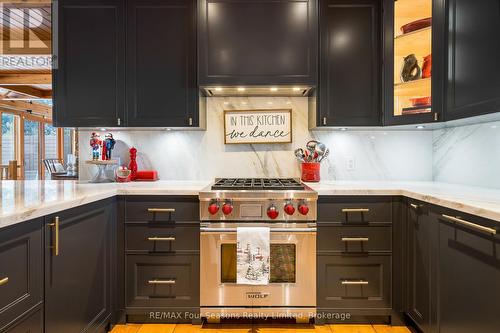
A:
(303, 209)
(213, 207)
(227, 208)
(272, 212)
(289, 208)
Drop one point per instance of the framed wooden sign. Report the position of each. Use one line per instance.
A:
(257, 126)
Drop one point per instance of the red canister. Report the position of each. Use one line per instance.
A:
(310, 172)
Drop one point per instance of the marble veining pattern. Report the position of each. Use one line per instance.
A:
(25, 200)
(198, 155)
(468, 155)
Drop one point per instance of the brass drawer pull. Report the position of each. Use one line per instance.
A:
(161, 210)
(414, 206)
(161, 239)
(470, 224)
(355, 210)
(156, 281)
(354, 283)
(355, 239)
(4, 281)
(55, 225)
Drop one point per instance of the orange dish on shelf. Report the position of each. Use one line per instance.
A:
(416, 25)
(421, 101)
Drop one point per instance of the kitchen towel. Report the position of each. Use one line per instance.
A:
(253, 247)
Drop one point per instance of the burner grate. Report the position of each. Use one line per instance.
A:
(257, 184)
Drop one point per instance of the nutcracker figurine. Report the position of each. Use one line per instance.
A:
(95, 143)
(108, 146)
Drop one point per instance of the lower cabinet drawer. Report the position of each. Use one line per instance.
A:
(163, 281)
(31, 324)
(354, 282)
(154, 238)
(354, 239)
(21, 279)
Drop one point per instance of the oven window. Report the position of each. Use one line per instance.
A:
(282, 262)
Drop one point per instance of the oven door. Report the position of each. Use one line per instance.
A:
(292, 267)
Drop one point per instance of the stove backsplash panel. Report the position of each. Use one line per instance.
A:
(202, 155)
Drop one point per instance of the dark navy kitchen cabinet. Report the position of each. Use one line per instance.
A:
(472, 71)
(161, 63)
(89, 64)
(247, 42)
(421, 267)
(79, 259)
(350, 67)
(468, 273)
(21, 279)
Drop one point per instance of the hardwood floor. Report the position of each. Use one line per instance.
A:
(259, 328)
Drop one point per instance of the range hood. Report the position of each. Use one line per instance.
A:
(257, 91)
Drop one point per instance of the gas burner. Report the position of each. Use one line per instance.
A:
(258, 200)
(256, 184)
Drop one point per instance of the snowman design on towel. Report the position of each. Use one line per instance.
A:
(253, 256)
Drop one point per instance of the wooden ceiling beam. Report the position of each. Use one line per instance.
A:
(23, 106)
(24, 79)
(29, 91)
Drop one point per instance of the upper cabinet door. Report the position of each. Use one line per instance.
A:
(161, 63)
(414, 38)
(89, 82)
(248, 42)
(473, 74)
(350, 63)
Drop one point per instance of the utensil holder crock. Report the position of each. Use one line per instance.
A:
(310, 171)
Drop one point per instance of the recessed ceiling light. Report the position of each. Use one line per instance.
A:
(241, 89)
(296, 89)
(273, 89)
(226, 103)
(420, 127)
(218, 89)
(244, 103)
(270, 103)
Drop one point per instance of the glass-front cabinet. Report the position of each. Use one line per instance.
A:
(415, 96)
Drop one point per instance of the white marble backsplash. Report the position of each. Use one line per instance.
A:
(468, 155)
(202, 155)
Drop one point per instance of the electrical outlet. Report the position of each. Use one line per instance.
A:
(351, 163)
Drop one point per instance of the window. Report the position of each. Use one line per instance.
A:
(8, 138)
(31, 153)
(68, 135)
(50, 138)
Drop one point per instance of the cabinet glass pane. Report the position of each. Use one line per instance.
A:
(31, 158)
(50, 136)
(8, 138)
(282, 262)
(412, 57)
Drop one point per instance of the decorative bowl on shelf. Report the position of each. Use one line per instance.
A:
(416, 25)
(421, 101)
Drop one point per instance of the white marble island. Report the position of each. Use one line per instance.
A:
(25, 200)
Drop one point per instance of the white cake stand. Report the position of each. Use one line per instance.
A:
(100, 176)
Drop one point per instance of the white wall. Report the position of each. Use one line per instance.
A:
(202, 155)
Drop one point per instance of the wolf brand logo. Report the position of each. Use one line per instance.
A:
(25, 28)
(257, 295)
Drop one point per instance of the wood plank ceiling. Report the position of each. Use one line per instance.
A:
(25, 56)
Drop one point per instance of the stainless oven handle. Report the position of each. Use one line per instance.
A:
(204, 229)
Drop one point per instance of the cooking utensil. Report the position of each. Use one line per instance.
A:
(325, 155)
(311, 146)
(299, 154)
(319, 150)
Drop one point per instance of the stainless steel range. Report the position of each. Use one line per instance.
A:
(288, 208)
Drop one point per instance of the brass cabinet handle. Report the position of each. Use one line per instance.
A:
(354, 282)
(470, 224)
(4, 281)
(55, 225)
(161, 239)
(355, 210)
(355, 239)
(156, 281)
(161, 210)
(414, 206)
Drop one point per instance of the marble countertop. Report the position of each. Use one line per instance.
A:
(25, 200)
